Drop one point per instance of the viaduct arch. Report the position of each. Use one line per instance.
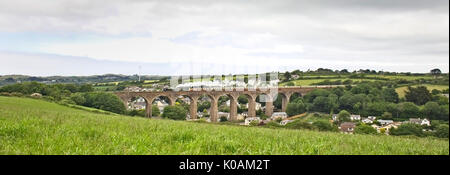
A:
(252, 94)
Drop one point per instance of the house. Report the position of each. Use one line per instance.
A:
(250, 119)
(373, 118)
(335, 117)
(347, 127)
(385, 122)
(277, 115)
(419, 121)
(295, 77)
(240, 117)
(284, 122)
(258, 106)
(223, 114)
(367, 121)
(355, 117)
(161, 104)
(133, 89)
(388, 127)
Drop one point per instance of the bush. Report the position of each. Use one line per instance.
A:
(344, 116)
(273, 124)
(254, 123)
(223, 119)
(78, 98)
(174, 112)
(104, 101)
(408, 129)
(324, 125)
(442, 131)
(155, 111)
(298, 124)
(365, 129)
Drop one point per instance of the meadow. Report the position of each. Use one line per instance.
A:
(430, 87)
(32, 126)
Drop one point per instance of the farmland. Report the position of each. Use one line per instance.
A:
(30, 126)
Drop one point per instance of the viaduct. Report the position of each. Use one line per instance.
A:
(233, 94)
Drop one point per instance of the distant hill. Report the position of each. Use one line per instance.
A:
(11, 79)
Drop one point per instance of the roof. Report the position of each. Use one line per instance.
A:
(347, 124)
(385, 121)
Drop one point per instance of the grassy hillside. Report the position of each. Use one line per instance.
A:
(401, 90)
(29, 126)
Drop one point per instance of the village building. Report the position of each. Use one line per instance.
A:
(276, 115)
(223, 114)
(367, 121)
(385, 122)
(419, 121)
(355, 117)
(133, 89)
(335, 117)
(347, 127)
(250, 119)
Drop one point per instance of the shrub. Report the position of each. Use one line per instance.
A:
(174, 112)
(365, 129)
(344, 116)
(254, 123)
(442, 131)
(324, 125)
(408, 129)
(223, 119)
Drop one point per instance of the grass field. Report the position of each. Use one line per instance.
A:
(306, 82)
(29, 126)
(401, 90)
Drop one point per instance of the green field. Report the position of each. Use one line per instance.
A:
(401, 90)
(307, 82)
(29, 126)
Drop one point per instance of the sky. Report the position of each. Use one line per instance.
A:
(181, 37)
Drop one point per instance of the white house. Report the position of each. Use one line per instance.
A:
(367, 121)
(385, 122)
(419, 121)
(334, 117)
(223, 114)
(355, 117)
(372, 118)
(281, 115)
(250, 119)
(258, 106)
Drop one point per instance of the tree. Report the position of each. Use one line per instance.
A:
(386, 115)
(365, 129)
(242, 99)
(442, 131)
(155, 111)
(344, 116)
(408, 129)
(431, 110)
(287, 76)
(295, 108)
(174, 112)
(390, 95)
(324, 125)
(435, 72)
(408, 110)
(104, 101)
(78, 98)
(419, 95)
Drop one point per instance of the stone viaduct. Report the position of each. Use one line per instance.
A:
(233, 94)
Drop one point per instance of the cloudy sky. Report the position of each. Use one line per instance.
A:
(85, 37)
